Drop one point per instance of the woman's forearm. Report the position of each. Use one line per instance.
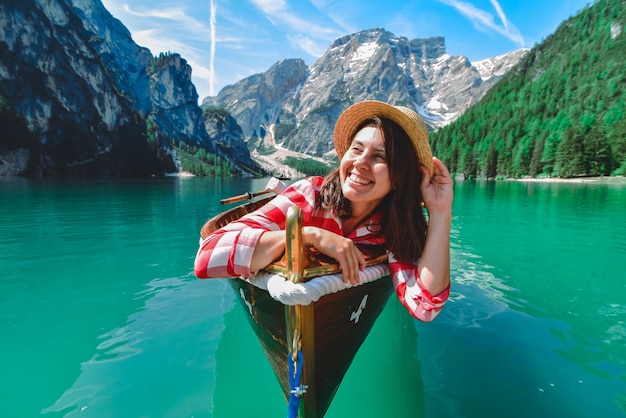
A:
(269, 248)
(434, 264)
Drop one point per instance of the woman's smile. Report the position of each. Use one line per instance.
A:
(354, 178)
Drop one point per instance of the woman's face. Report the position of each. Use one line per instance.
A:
(363, 170)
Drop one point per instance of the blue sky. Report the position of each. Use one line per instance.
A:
(227, 40)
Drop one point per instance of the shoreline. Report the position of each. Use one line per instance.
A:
(603, 180)
(619, 180)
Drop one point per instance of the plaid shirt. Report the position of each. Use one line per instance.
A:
(228, 251)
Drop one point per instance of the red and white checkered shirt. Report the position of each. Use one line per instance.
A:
(228, 251)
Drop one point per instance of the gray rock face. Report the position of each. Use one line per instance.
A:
(94, 101)
(229, 138)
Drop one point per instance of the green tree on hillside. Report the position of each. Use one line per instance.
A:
(569, 159)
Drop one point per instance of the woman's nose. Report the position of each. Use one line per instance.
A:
(361, 161)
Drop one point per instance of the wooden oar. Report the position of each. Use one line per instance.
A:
(274, 185)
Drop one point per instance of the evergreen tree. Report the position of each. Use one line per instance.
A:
(492, 161)
(570, 160)
(598, 156)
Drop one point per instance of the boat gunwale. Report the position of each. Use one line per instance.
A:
(315, 264)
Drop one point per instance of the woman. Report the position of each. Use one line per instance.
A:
(375, 197)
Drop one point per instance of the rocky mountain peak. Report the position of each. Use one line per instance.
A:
(370, 64)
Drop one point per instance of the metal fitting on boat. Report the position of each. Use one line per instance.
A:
(299, 390)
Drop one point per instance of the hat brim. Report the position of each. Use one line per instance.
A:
(350, 120)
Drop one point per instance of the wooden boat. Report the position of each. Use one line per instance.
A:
(327, 333)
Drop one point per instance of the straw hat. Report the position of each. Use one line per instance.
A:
(407, 119)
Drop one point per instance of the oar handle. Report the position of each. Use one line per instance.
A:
(274, 185)
(246, 196)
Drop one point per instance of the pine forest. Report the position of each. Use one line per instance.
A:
(560, 112)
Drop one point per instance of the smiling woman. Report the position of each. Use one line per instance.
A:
(374, 198)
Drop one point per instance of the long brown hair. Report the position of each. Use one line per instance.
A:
(403, 224)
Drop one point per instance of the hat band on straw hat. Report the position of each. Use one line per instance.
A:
(350, 120)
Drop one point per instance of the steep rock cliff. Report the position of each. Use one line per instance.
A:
(94, 102)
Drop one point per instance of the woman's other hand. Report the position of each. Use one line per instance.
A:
(437, 190)
(342, 249)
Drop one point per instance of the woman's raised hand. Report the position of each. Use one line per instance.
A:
(437, 190)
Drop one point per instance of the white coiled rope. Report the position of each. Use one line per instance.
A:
(290, 293)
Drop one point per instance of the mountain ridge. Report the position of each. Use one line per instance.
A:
(370, 64)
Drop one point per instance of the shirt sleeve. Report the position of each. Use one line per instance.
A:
(228, 251)
(412, 293)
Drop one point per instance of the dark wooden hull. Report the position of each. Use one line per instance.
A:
(333, 329)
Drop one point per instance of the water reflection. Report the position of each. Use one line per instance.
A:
(170, 340)
(539, 296)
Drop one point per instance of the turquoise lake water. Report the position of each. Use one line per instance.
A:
(101, 315)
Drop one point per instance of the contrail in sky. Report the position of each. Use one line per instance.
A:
(212, 58)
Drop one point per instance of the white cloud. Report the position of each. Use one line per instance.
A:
(279, 15)
(177, 16)
(270, 6)
(167, 13)
(485, 21)
(340, 12)
(308, 45)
